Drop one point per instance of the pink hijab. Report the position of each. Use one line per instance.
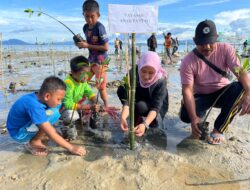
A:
(151, 59)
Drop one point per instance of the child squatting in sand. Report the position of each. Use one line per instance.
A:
(41, 109)
(79, 96)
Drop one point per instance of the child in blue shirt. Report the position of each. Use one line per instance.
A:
(41, 109)
(97, 43)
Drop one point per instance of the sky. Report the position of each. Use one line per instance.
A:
(180, 17)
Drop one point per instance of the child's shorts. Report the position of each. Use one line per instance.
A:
(27, 132)
(99, 71)
(24, 134)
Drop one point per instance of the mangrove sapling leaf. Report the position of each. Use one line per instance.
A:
(237, 70)
(77, 38)
(246, 65)
(40, 12)
(106, 61)
(30, 11)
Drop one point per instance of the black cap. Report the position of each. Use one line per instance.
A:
(205, 33)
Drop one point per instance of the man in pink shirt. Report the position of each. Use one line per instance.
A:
(201, 84)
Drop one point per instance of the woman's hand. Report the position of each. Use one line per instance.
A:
(140, 130)
(124, 125)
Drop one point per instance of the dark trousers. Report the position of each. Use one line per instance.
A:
(116, 51)
(168, 51)
(142, 108)
(175, 48)
(228, 103)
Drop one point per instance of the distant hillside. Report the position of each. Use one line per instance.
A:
(14, 42)
(111, 42)
(64, 43)
(20, 42)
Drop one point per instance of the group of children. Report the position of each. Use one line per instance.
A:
(65, 99)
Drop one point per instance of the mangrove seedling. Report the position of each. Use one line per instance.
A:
(76, 37)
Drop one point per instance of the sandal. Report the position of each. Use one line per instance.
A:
(36, 151)
(216, 138)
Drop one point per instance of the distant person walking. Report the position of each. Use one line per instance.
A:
(168, 45)
(117, 44)
(152, 43)
(245, 45)
(120, 45)
(175, 44)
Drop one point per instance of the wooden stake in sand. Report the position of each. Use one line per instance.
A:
(52, 59)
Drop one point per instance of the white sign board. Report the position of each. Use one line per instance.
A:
(132, 18)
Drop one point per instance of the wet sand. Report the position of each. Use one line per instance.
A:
(170, 160)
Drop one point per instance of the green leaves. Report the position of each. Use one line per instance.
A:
(246, 65)
(125, 83)
(106, 61)
(30, 11)
(237, 70)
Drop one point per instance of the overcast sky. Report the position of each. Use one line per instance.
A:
(180, 17)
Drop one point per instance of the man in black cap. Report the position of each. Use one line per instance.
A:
(204, 73)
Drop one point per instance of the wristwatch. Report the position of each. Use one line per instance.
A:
(146, 125)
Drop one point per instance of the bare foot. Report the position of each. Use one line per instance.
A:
(37, 143)
(36, 150)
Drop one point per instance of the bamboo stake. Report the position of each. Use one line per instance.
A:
(132, 94)
(127, 62)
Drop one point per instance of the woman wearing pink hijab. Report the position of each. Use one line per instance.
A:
(151, 96)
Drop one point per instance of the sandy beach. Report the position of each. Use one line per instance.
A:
(168, 160)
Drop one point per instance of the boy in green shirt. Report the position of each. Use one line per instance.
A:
(78, 90)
